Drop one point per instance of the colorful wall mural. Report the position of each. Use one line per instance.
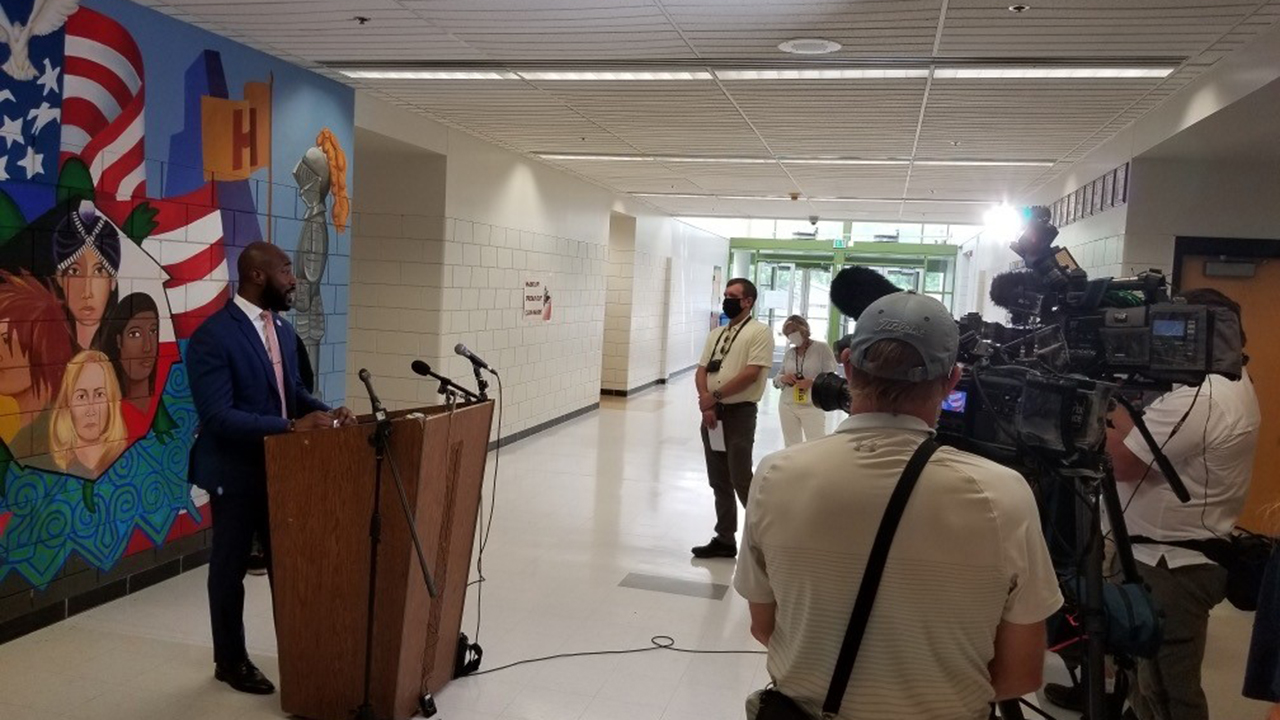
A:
(138, 156)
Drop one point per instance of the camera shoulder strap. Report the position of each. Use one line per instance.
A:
(871, 576)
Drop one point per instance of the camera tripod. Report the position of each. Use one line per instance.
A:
(1096, 490)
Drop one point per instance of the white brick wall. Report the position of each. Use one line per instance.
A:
(617, 317)
(648, 327)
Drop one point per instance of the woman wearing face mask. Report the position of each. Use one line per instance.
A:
(805, 359)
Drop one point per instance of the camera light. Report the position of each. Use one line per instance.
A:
(1002, 220)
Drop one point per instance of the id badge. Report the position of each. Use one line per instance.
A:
(802, 395)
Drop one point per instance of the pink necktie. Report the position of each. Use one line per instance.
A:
(273, 352)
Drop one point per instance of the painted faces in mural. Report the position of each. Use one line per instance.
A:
(35, 347)
(86, 253)
(79, 367)
(87, 431)
(132, 340)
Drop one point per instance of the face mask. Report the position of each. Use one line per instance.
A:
(733, 307)
(796, 339)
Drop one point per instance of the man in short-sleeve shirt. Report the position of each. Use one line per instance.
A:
(959, 619)
(731, 379)
(1210, 435)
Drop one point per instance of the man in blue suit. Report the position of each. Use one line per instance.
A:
(243, 366)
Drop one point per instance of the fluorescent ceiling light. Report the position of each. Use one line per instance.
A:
(825, 74)
(793, 161)
(985, 163)
(1013, 73)
(429, 74)
(712, 197)
(660, 158)
(912, 201)
(573, 156)
(697, 159)
(845, 161)
(606, 76)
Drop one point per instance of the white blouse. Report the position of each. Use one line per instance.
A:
(818, 358)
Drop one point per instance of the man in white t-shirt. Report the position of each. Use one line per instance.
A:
(959, 619)
(1210, 434)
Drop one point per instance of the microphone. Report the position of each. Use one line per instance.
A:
(378, 411)
(475, 359)
(1019, 291)
(856, 287)
(425, 370)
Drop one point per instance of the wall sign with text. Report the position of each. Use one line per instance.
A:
(537, 301)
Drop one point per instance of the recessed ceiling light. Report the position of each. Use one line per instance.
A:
(1049, 73)
(809, 46)
(824, 74)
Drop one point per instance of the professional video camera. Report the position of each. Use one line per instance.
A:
(1035, 395)
(1043, 384)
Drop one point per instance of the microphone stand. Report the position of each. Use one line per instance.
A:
(380, 440)
(481, 383)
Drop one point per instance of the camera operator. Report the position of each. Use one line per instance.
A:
(959, 618)
(1210, 434)
(731, 379)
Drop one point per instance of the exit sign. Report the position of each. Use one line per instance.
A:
(840, 244)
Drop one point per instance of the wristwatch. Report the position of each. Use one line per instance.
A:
(293, 425)
(716, 394)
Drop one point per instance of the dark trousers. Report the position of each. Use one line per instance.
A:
(1186, 595)
(236, 518)
(730, 472)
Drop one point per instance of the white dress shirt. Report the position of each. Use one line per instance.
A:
(255, 316)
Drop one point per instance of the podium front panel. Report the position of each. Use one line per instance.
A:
(321, 487)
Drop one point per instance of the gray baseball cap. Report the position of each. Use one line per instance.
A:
(918, 320)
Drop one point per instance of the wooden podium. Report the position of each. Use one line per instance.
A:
(321, 495)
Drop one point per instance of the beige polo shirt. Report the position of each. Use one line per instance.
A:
(738, 346)
(968, 554)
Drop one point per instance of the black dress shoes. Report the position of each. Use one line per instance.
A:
(717, 548)
(245, 677)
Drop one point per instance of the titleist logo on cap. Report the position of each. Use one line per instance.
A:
(899, 326)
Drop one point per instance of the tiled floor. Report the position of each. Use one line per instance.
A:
(579, 508)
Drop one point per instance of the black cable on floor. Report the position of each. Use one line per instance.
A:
(660, 642)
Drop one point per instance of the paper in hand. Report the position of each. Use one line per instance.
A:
(715, 437)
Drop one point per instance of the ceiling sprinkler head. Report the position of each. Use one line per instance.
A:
(1019, 8)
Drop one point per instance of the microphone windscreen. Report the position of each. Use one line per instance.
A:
(421, 368)
(364, 374)
(856, 287)
(1010, 290)
(460, 349)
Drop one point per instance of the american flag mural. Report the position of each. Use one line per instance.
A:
(102, 104)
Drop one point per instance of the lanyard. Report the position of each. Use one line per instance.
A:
(726, 347)
(800, 363)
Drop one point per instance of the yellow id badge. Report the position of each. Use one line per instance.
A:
(802, 395)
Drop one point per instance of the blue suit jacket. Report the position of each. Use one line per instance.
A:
(234, 387)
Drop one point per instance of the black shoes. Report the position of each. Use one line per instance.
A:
(245, 677)
(1068, 697)
(717, 548)
(257, 564)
